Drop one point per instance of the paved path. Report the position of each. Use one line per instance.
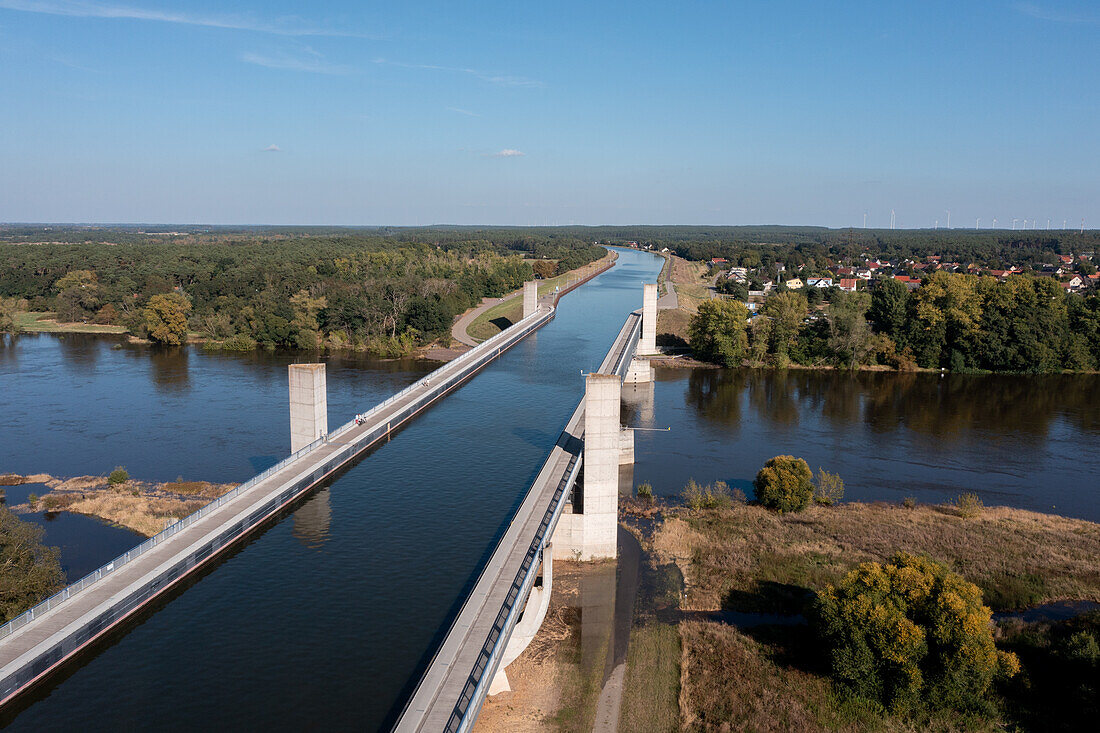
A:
(458, 330)
(610, 702)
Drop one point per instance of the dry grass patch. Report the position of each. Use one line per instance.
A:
(1018, 558)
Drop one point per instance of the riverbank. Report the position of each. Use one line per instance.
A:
(735, 651)
(142, 506)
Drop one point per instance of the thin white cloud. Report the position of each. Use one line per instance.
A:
(503, 80)
(461, 111)
(283, 26)
(312, 62)
(273, 148)
(508, 153)
(1056, 16)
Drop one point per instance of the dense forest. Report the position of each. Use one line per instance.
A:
(276, 288)
(952, 321)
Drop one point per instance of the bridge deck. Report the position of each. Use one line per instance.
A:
(453, 687)
(54, 632)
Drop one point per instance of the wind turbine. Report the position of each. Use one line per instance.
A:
(949, 218)
(977, 222)
(1048, 223)
(892, 219)
(1014, 225)
(994, 222)
(936, 225)
(1063, 223)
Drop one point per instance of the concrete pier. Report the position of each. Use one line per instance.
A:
(530, 297)
(308, 404)
(640, 371)
(602, 446)
(647, 344)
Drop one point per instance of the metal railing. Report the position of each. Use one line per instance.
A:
(442, 376)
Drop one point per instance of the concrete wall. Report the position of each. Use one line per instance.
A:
(308, 404)
(647, 344)
(530, 297)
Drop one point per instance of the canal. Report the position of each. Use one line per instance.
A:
(327, 618)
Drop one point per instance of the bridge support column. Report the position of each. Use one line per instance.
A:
(647, 343)
(530, 297)
(626, 446)
(308, 404)
(640, 371)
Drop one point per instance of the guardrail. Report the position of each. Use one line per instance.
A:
(441, 376)
(473, 693)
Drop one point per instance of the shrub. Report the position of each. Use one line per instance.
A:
(909, 502)
(908, 632)
(645, 493)
(32, 500)
(828, 488)
(713, 496)
(784, 484)
(969, 506)
(118, 476)
(51, 503)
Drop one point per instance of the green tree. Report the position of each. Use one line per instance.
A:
(77, 295)
(9, 307)
(717, 332)
(29, 571)
(166, 318)
(850, 337)
(786, 311)
(784, 484)
(828, 487)
(888, 307)
(118, 476)
(305, 321)
(910, 631)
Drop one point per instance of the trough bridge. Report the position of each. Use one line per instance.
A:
(556, 517)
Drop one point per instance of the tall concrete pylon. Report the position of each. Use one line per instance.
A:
(308, 404)
(647, 344)
(530, 297)
(602, 445)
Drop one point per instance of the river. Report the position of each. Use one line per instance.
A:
(327, 618)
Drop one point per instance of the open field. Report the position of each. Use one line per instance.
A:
(46, 321)
(748, 661)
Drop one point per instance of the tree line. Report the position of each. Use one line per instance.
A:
(366, 291)
(952, 321)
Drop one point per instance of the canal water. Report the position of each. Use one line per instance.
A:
(326, 619)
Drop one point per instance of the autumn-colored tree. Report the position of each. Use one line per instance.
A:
(910, 631)
(166, 318)
(8, 308)
(29, 571)
(717, 332)
(784, 484)
(544, 268)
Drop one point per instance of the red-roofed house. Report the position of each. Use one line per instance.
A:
(848, 284)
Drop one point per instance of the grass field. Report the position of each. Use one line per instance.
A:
(773, 677)
(45, 322)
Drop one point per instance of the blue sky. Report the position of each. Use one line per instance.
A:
(550, 113)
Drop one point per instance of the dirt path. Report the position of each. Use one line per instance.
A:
(626, 590)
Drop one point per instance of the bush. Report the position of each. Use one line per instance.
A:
(909, 502)
(713, 496)
(32, 500)
(784, 484)
(909, 632)
(118, 476)
(645, 493)
(969, 506)
(828, 488)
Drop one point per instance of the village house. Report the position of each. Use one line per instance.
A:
(794, 284)
(818, 282)
(848, 284)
